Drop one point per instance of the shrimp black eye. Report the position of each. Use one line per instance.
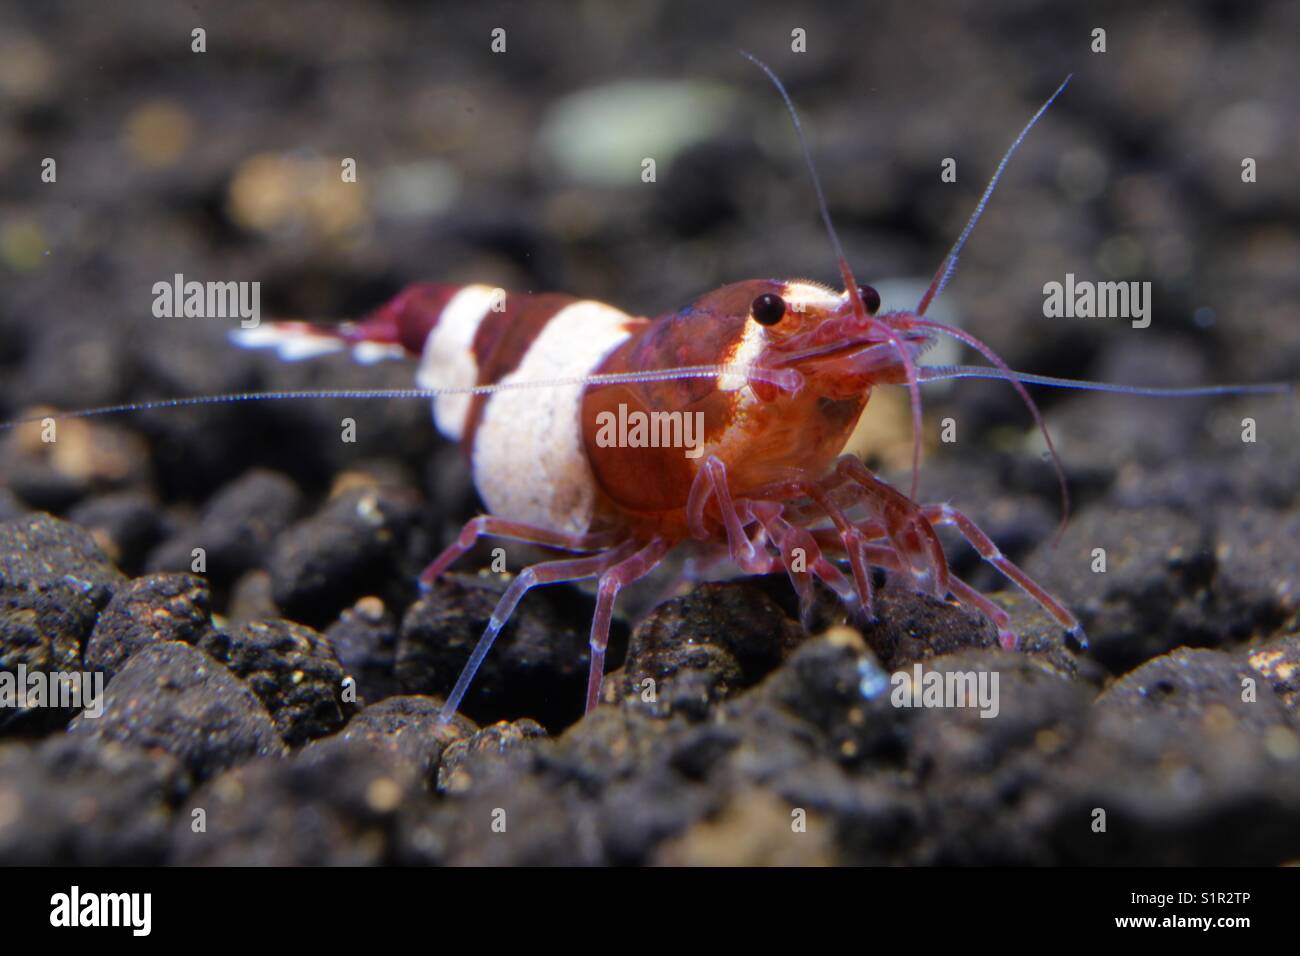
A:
(870, 299)
(767, 309)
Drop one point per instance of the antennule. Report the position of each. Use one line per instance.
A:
(949, 264)
(846, 273)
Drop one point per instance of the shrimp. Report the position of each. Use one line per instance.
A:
(720, 427)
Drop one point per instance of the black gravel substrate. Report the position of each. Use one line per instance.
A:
(244, 579)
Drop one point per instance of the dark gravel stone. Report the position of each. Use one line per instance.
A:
(53, 580)
(10, 506)
(830, 698)
(502, 748)
(537, 668)
(75, 801)
(1184, 685)
(521, 821)
(637, 767)
(912, 627)
(42, 626)
(407, 729)
(1257, 584)
(1042, 638)
(236, 527)
(982, 769)
(326, 805)
(1187, 771)
(875, 821)
(639, 814)
(354, 546)
(365, 640)
(149, 610)
(125, 525)
(292, 670)
(1172, 581)
(696, 650)
(606, 746)
(1195, 485)
(1278, 661)
(176, 698)
(896, 784)
(793, 742)
(40, 549)
(1155, 593)
(1199, 526)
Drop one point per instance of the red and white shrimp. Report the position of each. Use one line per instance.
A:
(776, 372)
(795, 364)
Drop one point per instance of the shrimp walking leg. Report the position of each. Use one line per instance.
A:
(950, 516)
(612, 580)
(495, 527)
(803, 560)
(550, 572)
(711, 483)
(898, 520)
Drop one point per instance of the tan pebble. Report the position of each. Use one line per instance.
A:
(158, 132)
(1048, 741)
(843, 636)
(1218, 719)
(383, 795)
(1281, 742)
(370, 608)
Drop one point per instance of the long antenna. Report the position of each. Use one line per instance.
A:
(949, 264)
(943, 373)
(945, 272)
(846, 274)
(807, 153)
(787, 379)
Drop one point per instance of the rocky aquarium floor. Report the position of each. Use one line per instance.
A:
(279, 706)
